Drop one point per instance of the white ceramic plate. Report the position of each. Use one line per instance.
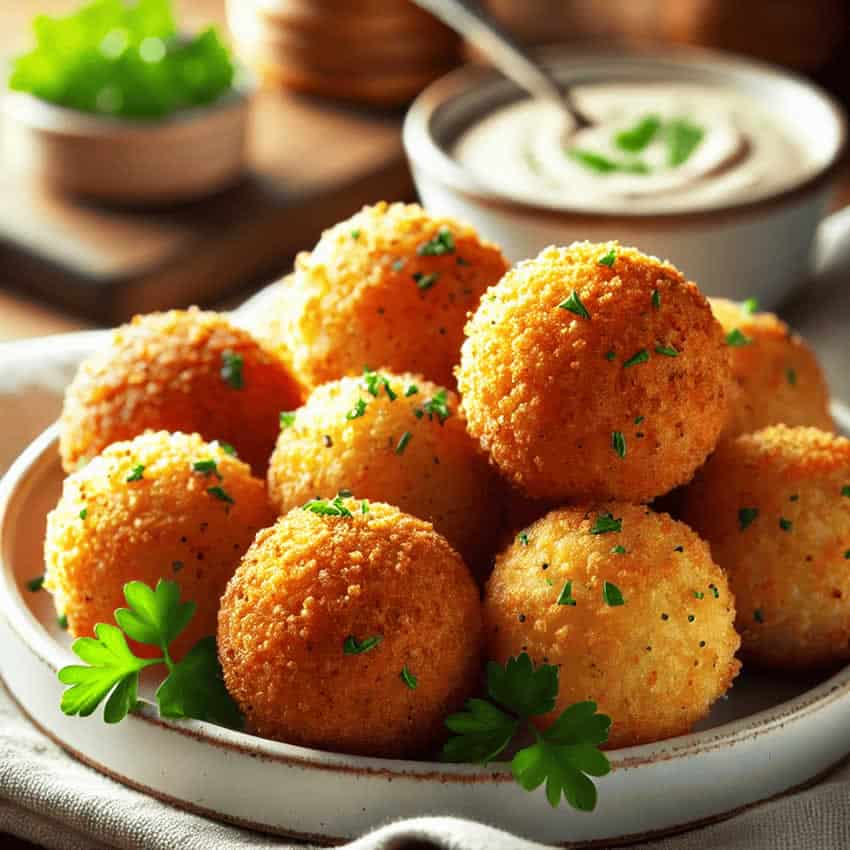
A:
(771, 734)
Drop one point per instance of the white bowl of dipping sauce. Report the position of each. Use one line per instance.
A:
(722, 165)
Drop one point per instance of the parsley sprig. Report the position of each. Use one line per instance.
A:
(565, 756)
(193, 687)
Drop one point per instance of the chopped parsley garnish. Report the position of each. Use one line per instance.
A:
(437, 405)
(355, 234)
(618, 443)
(791, 376)
(411, 390)
(608, 259)
(638, 419)
(737, 339)
(683, 137)
(656, 299)
(345, 494)
(425, 281)
(698, 594)
(352, 646)
(794, 497)
(442, 243)
(522, 537)
(228, 449)
(714, 591)
(847, 555)
(287, 418)
(35, 584)
(221, 494)
(62, 622)
(637, 137)
(573, 305)
(666, 350)
(137, 473)
(564, 756)
(638, 357)
(845, 490)
(84, 513)
(373, 381)
(605, 523)
(408, 678)
(406, 437)
(747, 516)
(611, 595)
(618, 550)
(758, 616)
(324, 507)
(194, 686)
(364, 507)
(751, 305)
(610, 355)
(785, 524)
(399, 264)
(206, 467)
(231, 369)
(357, 411)
(604, 165)
(565, 597)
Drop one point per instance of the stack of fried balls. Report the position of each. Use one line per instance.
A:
(420, 458)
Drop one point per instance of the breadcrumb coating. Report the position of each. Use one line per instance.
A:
(309, 585)
(654, 663)
(775, 508)
(584, 380)
(184, 370)
(141, 512)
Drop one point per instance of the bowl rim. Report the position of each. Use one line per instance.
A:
(426, 154)
(14, 609)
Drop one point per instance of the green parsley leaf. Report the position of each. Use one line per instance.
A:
(656, 299)
(637, 137)
(228, 449)
(608, 259)
(791, 376)
(618, 550)
(594, 161)
(639, 419)
(206, 467)
(399, 264)
(408, 678)
(714, 591)
(137, 473)
(747, 516)
(737, 339)
(618, 443)
(785, 524)
(605, 523)
(573, 305)
(352, 646)
(683, 137)
(287, 418)
(355, 234)
(62, 622)
(611, 594)
(845, 490)
(610, 355)
(698, 594)
(758, 616)
(35, 584)
(221, 494)
(522, 538)
(364, 507)
(425, 281)
(323, 507)
(84, 513)
(666, 350)
(641, 356)
(751, 306)
(847, 555)
(357, 411)
(437, 405)
(520, 688)
(406, 437)
(442, 243)
(155, 617)
(373, 382)
(565, 597)
(482, 732)
(231, 369)
(411, 390)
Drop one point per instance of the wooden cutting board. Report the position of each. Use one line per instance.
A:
(311, 163)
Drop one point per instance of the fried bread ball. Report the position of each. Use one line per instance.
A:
(776, 376)
(629, 605)
(357, 632)
(160, 506)
(595, 372)
(393, 438)
(775, 509)
(188, 371)
(388, 288)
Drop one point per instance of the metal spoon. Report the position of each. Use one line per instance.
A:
(467, 18)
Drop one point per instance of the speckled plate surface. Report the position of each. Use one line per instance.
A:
(771, 734)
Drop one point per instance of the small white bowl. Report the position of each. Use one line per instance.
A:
(192, 153)
(756, 248)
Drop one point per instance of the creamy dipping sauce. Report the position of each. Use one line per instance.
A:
(652, 147)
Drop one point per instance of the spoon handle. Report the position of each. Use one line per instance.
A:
(468, 19)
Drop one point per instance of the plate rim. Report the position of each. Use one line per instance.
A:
(15, 611)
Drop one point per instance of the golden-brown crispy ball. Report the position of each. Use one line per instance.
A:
(187, 371)
(389, 288)
(142, 511)
(393, 438)
(586, 379)
(775, 509)
(630, 606)
(357, 633)
(777, 379)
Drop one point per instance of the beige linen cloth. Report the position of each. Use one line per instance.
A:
(52, 800)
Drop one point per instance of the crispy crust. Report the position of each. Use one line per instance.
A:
(544, 400)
